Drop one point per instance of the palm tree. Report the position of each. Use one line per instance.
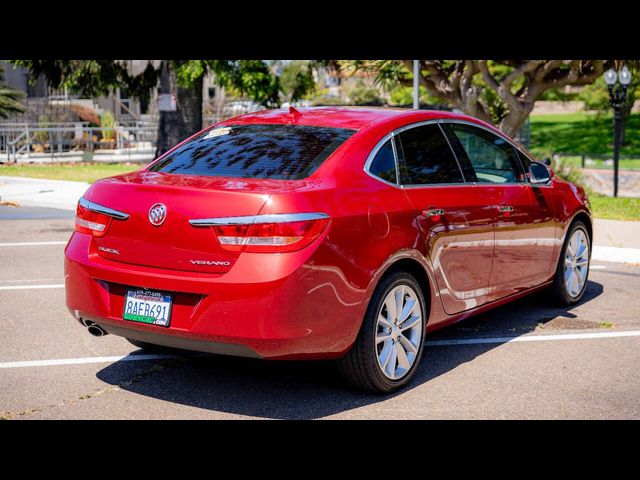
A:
(11, 100)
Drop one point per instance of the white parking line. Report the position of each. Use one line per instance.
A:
(30, 244)
(597, 267)
(430, 343)
(533, 338)
(81, 361)
(29, 280)
(30, 287)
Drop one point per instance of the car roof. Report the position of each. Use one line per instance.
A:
(356, 118)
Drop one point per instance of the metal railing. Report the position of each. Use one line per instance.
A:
(76, 142)
(600, 161)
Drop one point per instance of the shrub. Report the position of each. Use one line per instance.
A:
(328, 101)
(570, 173)
(404, 96)
(108, 124)
(363, 95)
(42, 136)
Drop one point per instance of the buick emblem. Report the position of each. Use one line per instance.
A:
(157, 214)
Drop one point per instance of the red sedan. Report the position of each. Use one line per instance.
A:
(338, 233)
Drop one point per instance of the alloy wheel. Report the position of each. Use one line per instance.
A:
(576, 263)
(398, 332)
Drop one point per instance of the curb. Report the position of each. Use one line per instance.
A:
(40, 192)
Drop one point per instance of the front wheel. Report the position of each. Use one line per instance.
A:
(389, 345)
(570, 281)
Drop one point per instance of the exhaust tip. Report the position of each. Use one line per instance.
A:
(96, 330)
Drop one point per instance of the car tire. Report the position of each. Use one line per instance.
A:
(562, 291)
(362, 365)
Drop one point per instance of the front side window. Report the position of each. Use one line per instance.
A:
(281, 152)
(526, 161)
(384, 163)
(427, 157)
(493, 159)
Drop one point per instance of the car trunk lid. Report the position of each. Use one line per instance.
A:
(174, 243)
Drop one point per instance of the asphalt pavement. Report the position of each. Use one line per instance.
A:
(524, 360)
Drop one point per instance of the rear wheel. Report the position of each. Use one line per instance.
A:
(389, 345)
(570, 281)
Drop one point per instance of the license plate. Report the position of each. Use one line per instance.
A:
(148, 306)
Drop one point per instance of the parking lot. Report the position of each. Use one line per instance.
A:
(523, 360)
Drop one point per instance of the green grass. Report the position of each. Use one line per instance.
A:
(581, 133)
(620, 208)
(563, 117)
(79, 172)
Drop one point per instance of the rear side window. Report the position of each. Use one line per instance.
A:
(427, 156)
(493, 158)
(384, 163)
(281, 152)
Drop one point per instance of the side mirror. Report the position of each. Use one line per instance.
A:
(539, 173)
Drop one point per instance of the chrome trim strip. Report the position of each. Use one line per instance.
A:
(431, 185)
(251, 219)
(94, 207)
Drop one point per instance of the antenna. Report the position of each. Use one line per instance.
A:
(295, 112)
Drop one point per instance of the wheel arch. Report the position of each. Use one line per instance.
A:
(585, 218)
(416, 269)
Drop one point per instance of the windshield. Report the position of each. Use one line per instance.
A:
(286, 152)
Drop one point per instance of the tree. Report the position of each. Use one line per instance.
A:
(296, 79)
(11, 100)
(183, 78)
(502, 92)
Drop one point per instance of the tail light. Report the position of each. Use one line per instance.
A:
(94, 219)
(278, 233)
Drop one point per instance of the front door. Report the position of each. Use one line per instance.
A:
(456, 225)
(524, 224)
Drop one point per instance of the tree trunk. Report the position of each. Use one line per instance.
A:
(187, 119)
(514, 120)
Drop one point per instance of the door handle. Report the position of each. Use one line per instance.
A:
(433, 213)
(505, 210)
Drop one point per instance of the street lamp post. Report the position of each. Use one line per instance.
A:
(617, 83)
(416, 84)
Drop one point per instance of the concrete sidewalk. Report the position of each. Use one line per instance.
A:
(614, 241)
(616, 233)
(37, 192)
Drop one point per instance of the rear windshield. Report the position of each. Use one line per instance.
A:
(286, 152)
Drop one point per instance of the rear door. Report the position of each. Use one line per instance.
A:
(456, 226)
(524, 224)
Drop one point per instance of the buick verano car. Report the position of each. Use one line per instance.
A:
(324, 233)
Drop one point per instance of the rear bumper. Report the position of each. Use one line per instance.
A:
(268, 306)
(173, 341)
